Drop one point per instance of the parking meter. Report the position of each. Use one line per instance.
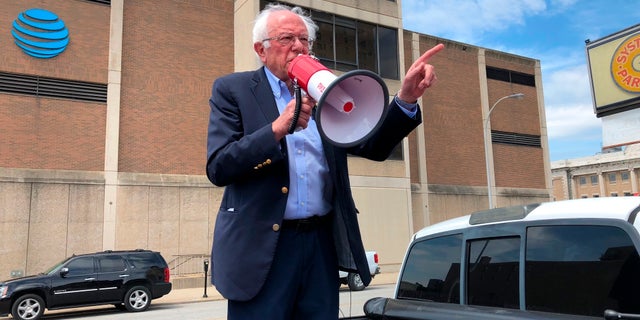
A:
(206, 268)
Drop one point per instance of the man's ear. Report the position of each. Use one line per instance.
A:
(259, 48)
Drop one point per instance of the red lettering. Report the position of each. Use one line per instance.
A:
(627, 80)
(636, 82)
(631, 46)
(636, 41)
(621, 59)
(622, 73)
(624, 51)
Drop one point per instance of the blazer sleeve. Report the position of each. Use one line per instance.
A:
(396, 125)
(240, 141)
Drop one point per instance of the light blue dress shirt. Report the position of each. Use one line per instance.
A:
(310, 189)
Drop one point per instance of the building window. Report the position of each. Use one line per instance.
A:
(583, 180)
(594, 180)
(347, 44)
(511, 76)
(595, 195)
(612, 178)
(614, 194)
(624, 176)
(584, 196)
(627, 194)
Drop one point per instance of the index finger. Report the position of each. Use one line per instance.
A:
(430, 53)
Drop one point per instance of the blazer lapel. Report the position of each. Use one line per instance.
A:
(264, 95)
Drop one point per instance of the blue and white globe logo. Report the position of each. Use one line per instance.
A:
(40, 33)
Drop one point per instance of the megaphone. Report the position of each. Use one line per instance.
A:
(349, 108)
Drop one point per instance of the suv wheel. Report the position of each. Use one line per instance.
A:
(28, 307)
(355, 282)
(137, 299)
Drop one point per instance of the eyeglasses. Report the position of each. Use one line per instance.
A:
(287, 39)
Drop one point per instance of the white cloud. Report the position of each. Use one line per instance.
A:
(573, 122)
(568, 104)
(466, 20)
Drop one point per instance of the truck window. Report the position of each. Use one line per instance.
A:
(432, 270)
(581, 270)
(493, 269)
(111, 264)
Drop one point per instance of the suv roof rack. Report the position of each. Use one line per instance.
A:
(502, 214)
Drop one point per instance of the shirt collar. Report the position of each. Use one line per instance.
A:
(277, 85)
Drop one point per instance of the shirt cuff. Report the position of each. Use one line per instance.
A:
(410, 109)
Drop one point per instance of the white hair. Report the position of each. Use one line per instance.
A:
(260, 31)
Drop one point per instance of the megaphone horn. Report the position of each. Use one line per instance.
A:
(350, 108)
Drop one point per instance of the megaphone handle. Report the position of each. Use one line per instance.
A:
(296, 112)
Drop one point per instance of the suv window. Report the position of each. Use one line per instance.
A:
(493, 269)
(144, 260)
(80, 266)
(581, 270)
(111, 264)
(433, 270)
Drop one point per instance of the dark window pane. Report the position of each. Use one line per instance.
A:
(388, 47)
(345, 45)
(367, 47)
(432, 270)
(581, 270)
(80, 266)
(111, 264)
(323, 44)
(493, 272)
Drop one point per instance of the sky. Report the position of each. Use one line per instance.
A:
(551, 31)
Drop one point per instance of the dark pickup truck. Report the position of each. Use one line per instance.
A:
(574, 259)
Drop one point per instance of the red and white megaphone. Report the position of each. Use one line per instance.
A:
(349, 108)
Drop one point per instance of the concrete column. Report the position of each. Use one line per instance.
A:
(601, 184)
(484, 102)
(423, 210)
(634, 180)
(112, 134)
(543, 132)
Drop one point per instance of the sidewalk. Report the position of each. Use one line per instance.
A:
(196, 294)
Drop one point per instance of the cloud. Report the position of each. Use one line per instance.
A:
(467, 20)
(568, 104)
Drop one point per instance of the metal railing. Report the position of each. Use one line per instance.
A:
(187, 264)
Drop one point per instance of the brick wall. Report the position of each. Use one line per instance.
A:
(171, 55)
(45, 133)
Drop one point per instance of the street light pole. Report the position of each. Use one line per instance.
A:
(487, 141)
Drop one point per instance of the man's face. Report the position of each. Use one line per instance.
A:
(283, 26)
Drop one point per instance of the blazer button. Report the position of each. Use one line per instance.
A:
(268, 161)
(285, 190)
(276, 227)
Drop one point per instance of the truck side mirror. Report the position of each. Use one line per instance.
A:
(64, 271)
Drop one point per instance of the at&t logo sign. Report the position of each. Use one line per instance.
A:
(40, 33)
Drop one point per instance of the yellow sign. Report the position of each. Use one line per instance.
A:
(614, 70)
(625, 65)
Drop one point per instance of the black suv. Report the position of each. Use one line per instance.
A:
(127, 279)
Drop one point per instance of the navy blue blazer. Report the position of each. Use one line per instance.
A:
(243, 156)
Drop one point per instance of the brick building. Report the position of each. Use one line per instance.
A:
(610, 174)
(104, 145)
